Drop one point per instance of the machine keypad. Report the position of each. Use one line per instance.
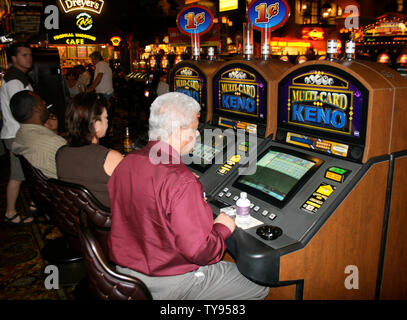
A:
(272, 216)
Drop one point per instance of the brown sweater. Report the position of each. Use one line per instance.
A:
(84, 166)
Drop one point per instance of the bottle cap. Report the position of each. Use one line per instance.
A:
(243, 195)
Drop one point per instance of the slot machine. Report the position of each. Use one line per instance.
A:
(233, 95)
(327, 198)
(244, 96)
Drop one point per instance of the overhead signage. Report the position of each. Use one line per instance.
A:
(116, 41)
(80, 24)
(73, 38)
(84, 21)
(94, 6)
(313, 33)
(268, 14)
(323, 100)
(227, 5)
(195, 19)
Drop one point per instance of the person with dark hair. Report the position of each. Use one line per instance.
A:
(83, 75)
(15, 80)
(103, 77)
(73, 84)
(83, 160)
(37, 143)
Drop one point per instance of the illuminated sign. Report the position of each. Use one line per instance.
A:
(82, 5)
(84, 21)
(74, 38)
(240, 90)
(226, 5)
(313, 34)
(195, 20)
(268, 14)
(297, 44)
(115, 41)
(323, 100)
(187, 80)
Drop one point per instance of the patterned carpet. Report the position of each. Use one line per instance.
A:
(21, 265)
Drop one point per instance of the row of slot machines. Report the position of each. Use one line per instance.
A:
(320, 149)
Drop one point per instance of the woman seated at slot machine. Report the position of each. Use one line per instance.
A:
(83, 160)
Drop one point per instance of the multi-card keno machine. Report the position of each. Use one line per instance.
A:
(327, 209)
(238, 98)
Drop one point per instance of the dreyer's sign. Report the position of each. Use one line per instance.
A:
(95, 6)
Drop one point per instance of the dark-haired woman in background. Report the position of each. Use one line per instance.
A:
(83, 160)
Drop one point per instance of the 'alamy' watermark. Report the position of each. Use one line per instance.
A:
(51, 281)
(352, 280)
(352, 20)
(214, 146)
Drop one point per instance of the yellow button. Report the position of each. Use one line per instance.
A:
(235, 158)
(333, 176)
(314, 204)
(325, 190)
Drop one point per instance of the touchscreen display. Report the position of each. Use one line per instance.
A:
(279, 174)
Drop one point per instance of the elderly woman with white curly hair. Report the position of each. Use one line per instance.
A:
(163, 230)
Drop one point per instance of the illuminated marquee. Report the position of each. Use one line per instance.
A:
(187, 81)
(238, 92)
(74, 38)
(319, 103)
(115, 41)
(95, 6)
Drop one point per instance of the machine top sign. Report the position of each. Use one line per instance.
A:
(195, 19)
(268, 14)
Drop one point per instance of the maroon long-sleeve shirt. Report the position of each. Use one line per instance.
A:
(161, 223)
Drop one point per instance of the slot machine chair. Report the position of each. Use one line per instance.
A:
(104, 282)
(58, 251)
(75, 202)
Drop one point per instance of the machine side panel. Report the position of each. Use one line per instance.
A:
(394, 284)
(350, 237)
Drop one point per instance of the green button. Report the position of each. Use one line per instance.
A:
(337, 170)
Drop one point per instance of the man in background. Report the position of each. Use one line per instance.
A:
(34, 140)
(102, 81)
(15, 80)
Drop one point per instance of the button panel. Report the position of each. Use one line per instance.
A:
(257, 209)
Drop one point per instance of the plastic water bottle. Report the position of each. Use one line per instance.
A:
(242, 211)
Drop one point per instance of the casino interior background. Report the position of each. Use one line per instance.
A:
(351, 157)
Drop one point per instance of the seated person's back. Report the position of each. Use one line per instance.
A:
(83, 160)
(34, 139)
(84, 166)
